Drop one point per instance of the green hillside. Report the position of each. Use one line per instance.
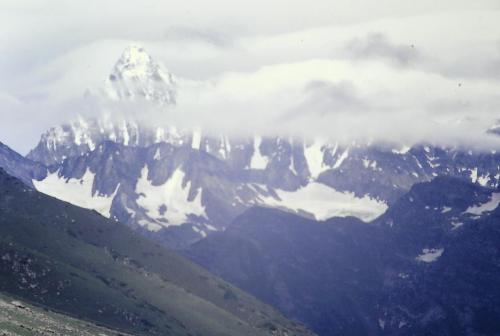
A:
(75, 261)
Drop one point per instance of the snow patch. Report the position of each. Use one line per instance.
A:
(473, 175)
(160, 134)
(151, 226)
(430, 255)
(324, 202)
(483, 180)
(370, 164)
(381, 324)
(173, 195)
(315, 158)
(224, 148)
(125, 134)
(445, 210)
(200, 232)
(292, 165)
(403, 275)
(157, 154)
(196, 141)
(402, 150)
(491, 205)
(341, 159)
(76, 191)
(258, 161)
(210, 227)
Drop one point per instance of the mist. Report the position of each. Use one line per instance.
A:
(348, 71)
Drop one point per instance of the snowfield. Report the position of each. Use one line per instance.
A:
(168, 204)
(76, 191)
(323, 202)
(491, 205)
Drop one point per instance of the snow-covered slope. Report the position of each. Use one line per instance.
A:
(323, 202)
(84, 135)
(77, 191)
(170, 203)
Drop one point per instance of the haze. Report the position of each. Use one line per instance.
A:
(387, 70)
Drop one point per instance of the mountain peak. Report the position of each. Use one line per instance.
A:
(137, 75)
(134, 62)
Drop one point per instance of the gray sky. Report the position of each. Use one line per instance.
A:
(391, 69)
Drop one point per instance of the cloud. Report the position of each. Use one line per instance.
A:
(377, 45)
(186, 33)
(481, 62)
(325, 98)
(343, 70)
(334, 99)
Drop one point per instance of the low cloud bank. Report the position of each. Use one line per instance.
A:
(430, 75)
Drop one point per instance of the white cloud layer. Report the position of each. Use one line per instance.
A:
(387, 70)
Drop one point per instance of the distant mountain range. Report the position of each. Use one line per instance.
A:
(428, 266)
(180, 185)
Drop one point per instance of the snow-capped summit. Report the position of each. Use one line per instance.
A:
(137, 75)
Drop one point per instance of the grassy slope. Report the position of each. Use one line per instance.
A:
(76, 261)
(21, 319)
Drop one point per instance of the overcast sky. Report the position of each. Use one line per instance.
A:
(399, 70)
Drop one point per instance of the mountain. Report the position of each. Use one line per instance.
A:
(134, 184)
(84, 135)
(75, 261)
(446, 237)
(428, 266)
(137, 75)
(215, 180)
(179, 185)
(322, 273)
(24, 169)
